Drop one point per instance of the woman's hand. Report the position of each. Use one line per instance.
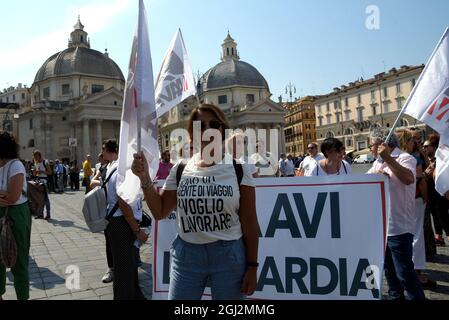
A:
(3, 201)
(249, 282)
(142, 236)
(140, 167)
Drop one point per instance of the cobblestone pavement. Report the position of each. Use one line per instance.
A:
(65, 241)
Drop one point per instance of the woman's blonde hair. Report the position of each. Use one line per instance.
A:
(404, 136)
(213, 110)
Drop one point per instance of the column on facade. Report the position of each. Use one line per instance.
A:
(86, 137)
(48, 145)
(99, 134)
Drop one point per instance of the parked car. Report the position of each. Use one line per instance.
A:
(364, 158)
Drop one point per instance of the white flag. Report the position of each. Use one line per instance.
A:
(139, 94)
(442, 169)
(429, 100)
(175, 82)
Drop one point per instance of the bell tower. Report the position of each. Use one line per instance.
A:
(79, 37)
(229, 49)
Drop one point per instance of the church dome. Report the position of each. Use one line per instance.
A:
(79, 58)
(232, 71)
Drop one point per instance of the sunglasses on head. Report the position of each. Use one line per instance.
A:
(213, 124)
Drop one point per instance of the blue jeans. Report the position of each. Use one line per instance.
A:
(399, 268)
(221, 264)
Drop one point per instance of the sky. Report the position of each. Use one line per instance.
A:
(314, 45)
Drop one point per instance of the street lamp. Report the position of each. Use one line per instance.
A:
(290, 90)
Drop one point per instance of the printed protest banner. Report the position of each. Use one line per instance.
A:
(320, 238)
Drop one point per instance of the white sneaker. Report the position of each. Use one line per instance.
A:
(108, 276)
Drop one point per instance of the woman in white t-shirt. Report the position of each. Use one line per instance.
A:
(13, 202)
(333, 163)
(216, 217)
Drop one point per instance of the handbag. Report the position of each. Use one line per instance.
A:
(8, 245)
(95, 208)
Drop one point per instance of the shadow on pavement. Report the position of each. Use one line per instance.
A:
(66, 224)
(47, 279)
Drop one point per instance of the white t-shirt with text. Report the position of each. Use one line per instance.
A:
(208, 201)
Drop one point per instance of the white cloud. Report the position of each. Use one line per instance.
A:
(97, 15)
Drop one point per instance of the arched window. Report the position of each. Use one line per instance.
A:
(348, 132)
(330, 134)
(404, 123)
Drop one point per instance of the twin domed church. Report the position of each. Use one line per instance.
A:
(77, 96)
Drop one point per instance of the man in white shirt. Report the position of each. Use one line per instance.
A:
(400, 167)
(310, 160)
(264, 161)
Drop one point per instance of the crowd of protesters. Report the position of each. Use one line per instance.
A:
(227, 258)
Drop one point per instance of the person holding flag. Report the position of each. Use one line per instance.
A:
(222, 245)
(400, 167)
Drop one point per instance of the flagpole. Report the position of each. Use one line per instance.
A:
(416, 86)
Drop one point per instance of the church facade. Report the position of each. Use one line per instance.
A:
(76, 102)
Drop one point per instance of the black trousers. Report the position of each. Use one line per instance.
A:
(109, 257)
(124, 253)
(439, 208)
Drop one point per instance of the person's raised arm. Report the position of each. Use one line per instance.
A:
(404, 174)
(96, 181)
(161, 205)
(250, 229)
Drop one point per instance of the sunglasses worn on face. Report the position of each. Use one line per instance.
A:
(213, 124)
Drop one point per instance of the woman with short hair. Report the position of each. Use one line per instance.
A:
(14, 203)
(333, 163)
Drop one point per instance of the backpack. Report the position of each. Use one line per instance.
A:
(36, 194)
(95, 207)
(8, 245)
